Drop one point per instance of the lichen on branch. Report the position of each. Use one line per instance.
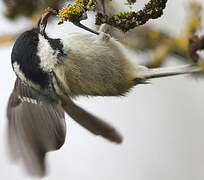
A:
(162, 44)
(123, 21)
(75, 12)
(129, 20)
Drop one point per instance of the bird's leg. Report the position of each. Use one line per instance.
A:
(103, 6)
(104, 37)
(105, 28)
(104, 32)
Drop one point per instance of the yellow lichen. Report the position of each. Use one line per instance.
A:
(6, 38)
(154, 35)
(181, 42)
(193, 19)
(75, 11)
(70, 13)
(201, 64)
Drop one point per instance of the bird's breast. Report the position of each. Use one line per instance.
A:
(93, 67)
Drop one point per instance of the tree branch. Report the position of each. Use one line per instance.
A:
(129, 20)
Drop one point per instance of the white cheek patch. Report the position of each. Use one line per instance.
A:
(18, 71)
(22, 77)
(48, 56)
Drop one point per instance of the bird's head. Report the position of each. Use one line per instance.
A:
(34, 55)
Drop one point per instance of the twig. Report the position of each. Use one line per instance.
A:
(129, 20)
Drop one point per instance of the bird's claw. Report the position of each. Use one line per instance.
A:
(105, 37)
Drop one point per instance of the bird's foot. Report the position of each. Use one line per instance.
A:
(104, 37)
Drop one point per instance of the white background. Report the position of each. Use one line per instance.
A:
(162, 123)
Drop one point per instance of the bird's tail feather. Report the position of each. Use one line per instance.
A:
(146, 73)
(91, 122)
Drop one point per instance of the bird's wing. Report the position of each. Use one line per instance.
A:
(33, 128)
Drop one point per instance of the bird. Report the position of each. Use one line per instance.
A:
(50, 73)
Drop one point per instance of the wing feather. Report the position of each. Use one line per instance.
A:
(33, 128)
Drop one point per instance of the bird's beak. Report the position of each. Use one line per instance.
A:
(42, 22)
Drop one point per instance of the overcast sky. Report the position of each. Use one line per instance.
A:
(162, 124)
